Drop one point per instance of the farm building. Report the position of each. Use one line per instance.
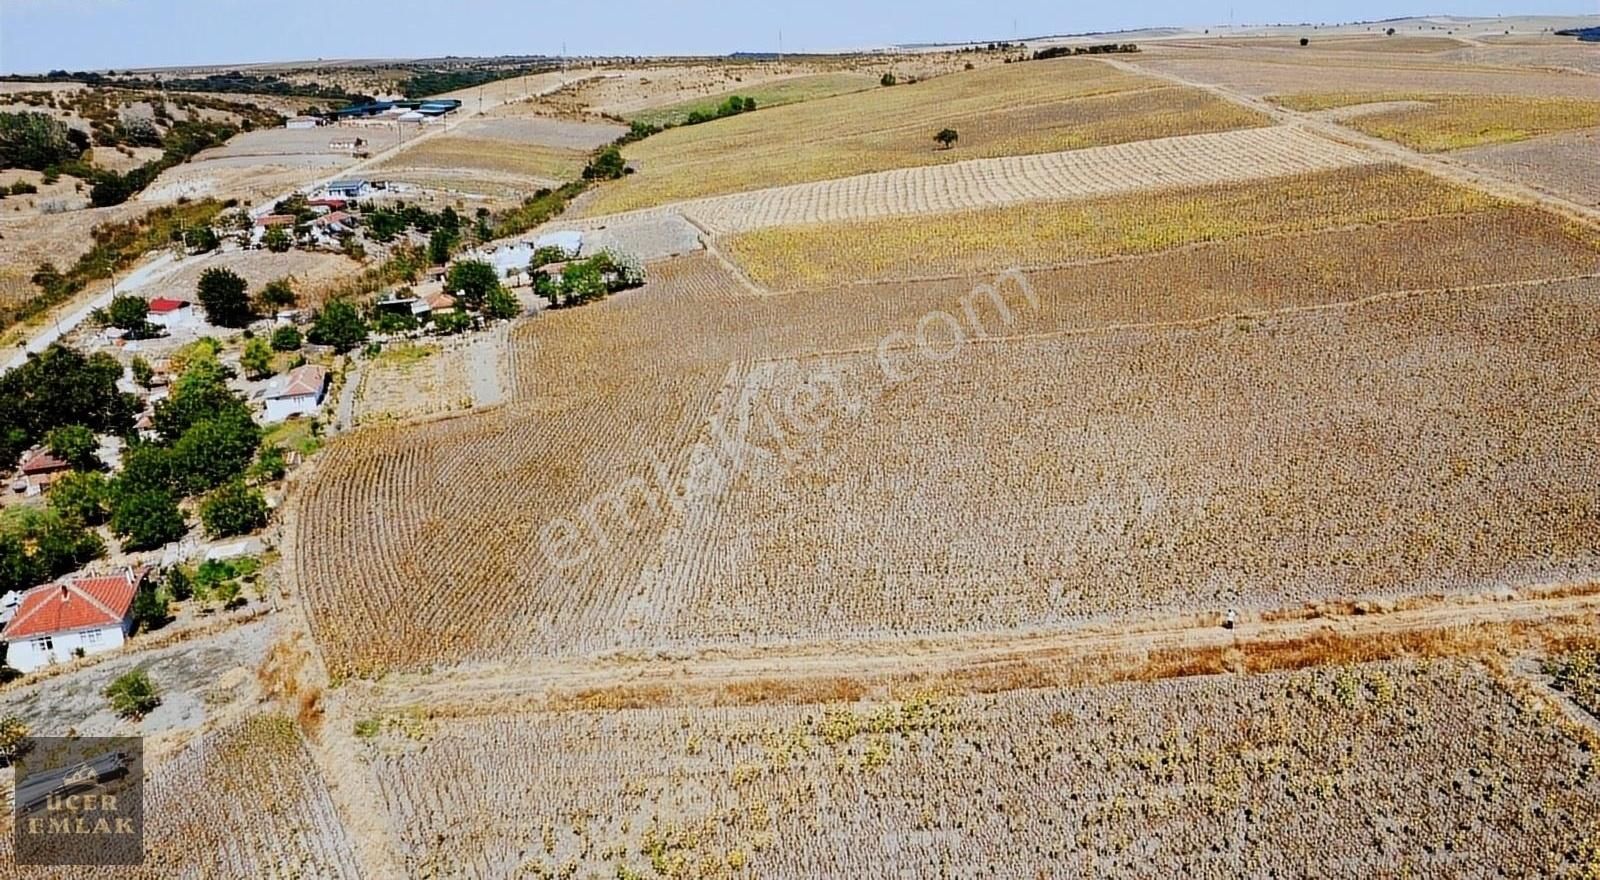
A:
(171, 313)
(299, 392)
(92, 614)
(302, 122)
(350, 144)
(353, 188)
(38, 471)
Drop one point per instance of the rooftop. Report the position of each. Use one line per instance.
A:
(162, 305)
(298, 382)
(83, 603)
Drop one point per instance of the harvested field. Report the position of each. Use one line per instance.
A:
(243, 801)
(1560, 163)
(1422, 444)
(540, 131)
(491, 158)
(1326, 772)
(413, 380)
(772, 94)
(312, 271)
(1046, 233)
(1021, 109)
(1194, 160)
(1379, 75)
(279, 142)
(1437, 123)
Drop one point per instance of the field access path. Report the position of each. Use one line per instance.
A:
(1331, 130)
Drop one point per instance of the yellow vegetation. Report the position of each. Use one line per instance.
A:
(1454, 122)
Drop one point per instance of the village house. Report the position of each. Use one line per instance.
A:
(299, 392)
(302, 122)
(53, 622)
(170, 314)
(38, 471)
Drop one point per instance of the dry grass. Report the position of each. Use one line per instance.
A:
(1044, 233)
(1028, 108)
(1329, 771)
(1454, 122)
(497, 157)
(775, 93)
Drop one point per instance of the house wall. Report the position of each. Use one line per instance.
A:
(28, 654)
(283, 408)
(179, 318)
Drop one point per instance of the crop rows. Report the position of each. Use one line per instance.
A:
(1427, 443)
(1190, 160)
(244, 801)
(1328, 772)
(1436, 123)
(1015, 110)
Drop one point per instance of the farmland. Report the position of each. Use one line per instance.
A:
(1031, 108)
(1283, 773)
(1173, 459)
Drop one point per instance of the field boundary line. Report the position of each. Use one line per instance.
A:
(1196, 323)
(708, 241)
(989, 662)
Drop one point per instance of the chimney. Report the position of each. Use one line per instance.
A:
(66, 596)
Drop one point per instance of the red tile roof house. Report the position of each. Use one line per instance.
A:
(169, 313)
(298, 392)
(39, 470)
(55, 620)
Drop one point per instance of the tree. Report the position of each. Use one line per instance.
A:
(233, 509)
(147, 519)
(84, 496)
(339, 325)
(440, 244)
(133, 695)
(286, 338)
(608, 164)
(888, 80)
(947, 137)
(451, 322)
(222, 293)
(60, 386)
(75, 445)
(547, 287)
(200, 239)
(150, 609)
(143, 373)
(501, 305)
(546, 255)
(36, 141)
(582, 282)
(37, 545)
(277, 295)
(179, 586)
(131, 314)
(256, 358)
(1304, 41)
(215, 450)
(13, 738)
(472, 281)
(277, 239)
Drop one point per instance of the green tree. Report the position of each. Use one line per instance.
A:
(215, 450)
(146, 519)
(233, 509)
(150, 609)
(608, 164)
(582, 282)
(36, 141)
(277, 295)
(501, 305)
(256, 359)
(39, 544)
(545, 256)
(223, 294)
(947, 138)
(130, 313)
(60, 386)
(75, 445)
(133, 695)
(888, 80)
(339, 325)
(451, 322)
(271, 465)
(472, 281)
(179, 586)
(440, 244)
(143, 373)
(84, 496)
(286, 338)
(277, 239)
(200, 239)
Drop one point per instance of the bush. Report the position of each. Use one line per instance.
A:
(889, 80)
(150, 609)
(13, 738)
(36, 141)
(233, 509)
(277, 295)
(608, 164)
(146, 519)
(286, 338)
(452, 322)
(339, 325)
(130, 314)
(256, 359)
(133, 695)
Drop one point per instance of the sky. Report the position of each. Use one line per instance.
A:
(39, 35)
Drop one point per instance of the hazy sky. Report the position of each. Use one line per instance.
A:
(37, 35)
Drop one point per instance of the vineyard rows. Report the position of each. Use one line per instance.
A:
(243, 801)
(1331, 772)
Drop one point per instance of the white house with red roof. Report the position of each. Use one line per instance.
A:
(299, 392)
(52, 622)
(38, 471)
(170, 313)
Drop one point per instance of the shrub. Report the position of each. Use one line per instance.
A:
(286, 338)
(133, 695)
(233, 509)
(83, 496)
(146, 519)
(13, 738)
(339, 325)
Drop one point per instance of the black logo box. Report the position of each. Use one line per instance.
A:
(79, 801)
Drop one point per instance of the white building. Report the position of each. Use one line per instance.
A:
(53, 622)
(299, 392)
(354, 188)
(303, 122)
(171, 313)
